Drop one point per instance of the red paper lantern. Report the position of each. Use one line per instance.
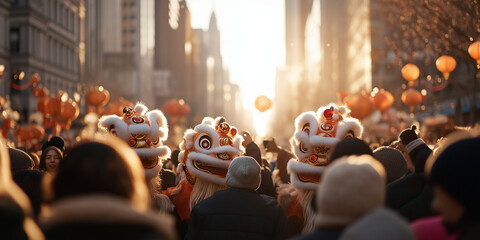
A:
(383, 100)
(42, 103)
(360, 105)
(446, 64)
(40, 91)
(176, 108)
(410, 72)
(98, 97)
(411, 97)
(54, 106)
(69, 111)
(262, 103)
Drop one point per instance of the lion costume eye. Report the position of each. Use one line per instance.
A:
(205, 142)
(349, 135)
(306, 128)
(302, 148)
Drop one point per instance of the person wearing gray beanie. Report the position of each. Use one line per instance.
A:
(238, 212)
(244, 172)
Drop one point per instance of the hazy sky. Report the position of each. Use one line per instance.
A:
(252, 39)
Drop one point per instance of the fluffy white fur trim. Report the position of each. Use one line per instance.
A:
(162, 152)
(302, 185)
(153, 172)
(306, 117)
(208, 121)
(327, 141)
(295, 168)
(301, 137)
(304, 168)
(142, 128)
(140, 108)
(188, 139)
(205, 176)
(350, 124)
(121, 128)
(181, 157)
(210, 161)
(159, 125)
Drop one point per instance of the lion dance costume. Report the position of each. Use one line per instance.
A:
(315, 136)
(145, 132)
(205, 154)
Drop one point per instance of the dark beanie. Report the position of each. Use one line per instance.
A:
(350, 146)
(393, 162)
(19, 160)
(55, 141)
(408, 135)
(456, 171)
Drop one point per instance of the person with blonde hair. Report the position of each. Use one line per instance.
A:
(99, 192)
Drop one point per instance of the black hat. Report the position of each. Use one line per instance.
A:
(55, 141)
(456, 171)
(350, 146)
(393, 162)
(19, 160)
(408, 135)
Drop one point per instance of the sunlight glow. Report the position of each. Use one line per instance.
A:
(252, 41)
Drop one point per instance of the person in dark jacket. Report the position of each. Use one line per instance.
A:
(99, 192)
(238, 212)
(252, 150)
(416, 148)
(407, 193)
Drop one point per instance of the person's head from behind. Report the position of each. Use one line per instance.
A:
(350, 187)
(350, 146)
(453, 171)
(100, 167)
(19, 160)
(50, 159)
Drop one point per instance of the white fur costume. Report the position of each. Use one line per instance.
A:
(208, 149)
(314, 138)
(144, 131)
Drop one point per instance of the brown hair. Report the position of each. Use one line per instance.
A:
(100, 167)
(43, 158)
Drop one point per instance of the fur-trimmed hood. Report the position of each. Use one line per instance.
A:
(104, 209)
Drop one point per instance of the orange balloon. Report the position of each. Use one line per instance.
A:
(262, 103)
(410, 72)
(383, 100)
(411, 97)
(360, 105)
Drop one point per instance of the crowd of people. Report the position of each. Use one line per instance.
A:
(217, 184)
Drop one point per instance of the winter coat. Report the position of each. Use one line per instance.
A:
(410, 196)
(331, 233)
(419, 156)
(237, 213)
(430, 228)
(103, 217)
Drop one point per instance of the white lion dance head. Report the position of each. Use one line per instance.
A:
(144, 131)
(208, 149)
(315, 136)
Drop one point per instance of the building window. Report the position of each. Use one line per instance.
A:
(15, 40)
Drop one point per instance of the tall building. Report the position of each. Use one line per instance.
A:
(173, 60)
(44, 38)
(121, 49)
(4, 44)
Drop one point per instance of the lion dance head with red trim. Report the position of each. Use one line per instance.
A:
(315, 136)
(144, 131)
(205, 155)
